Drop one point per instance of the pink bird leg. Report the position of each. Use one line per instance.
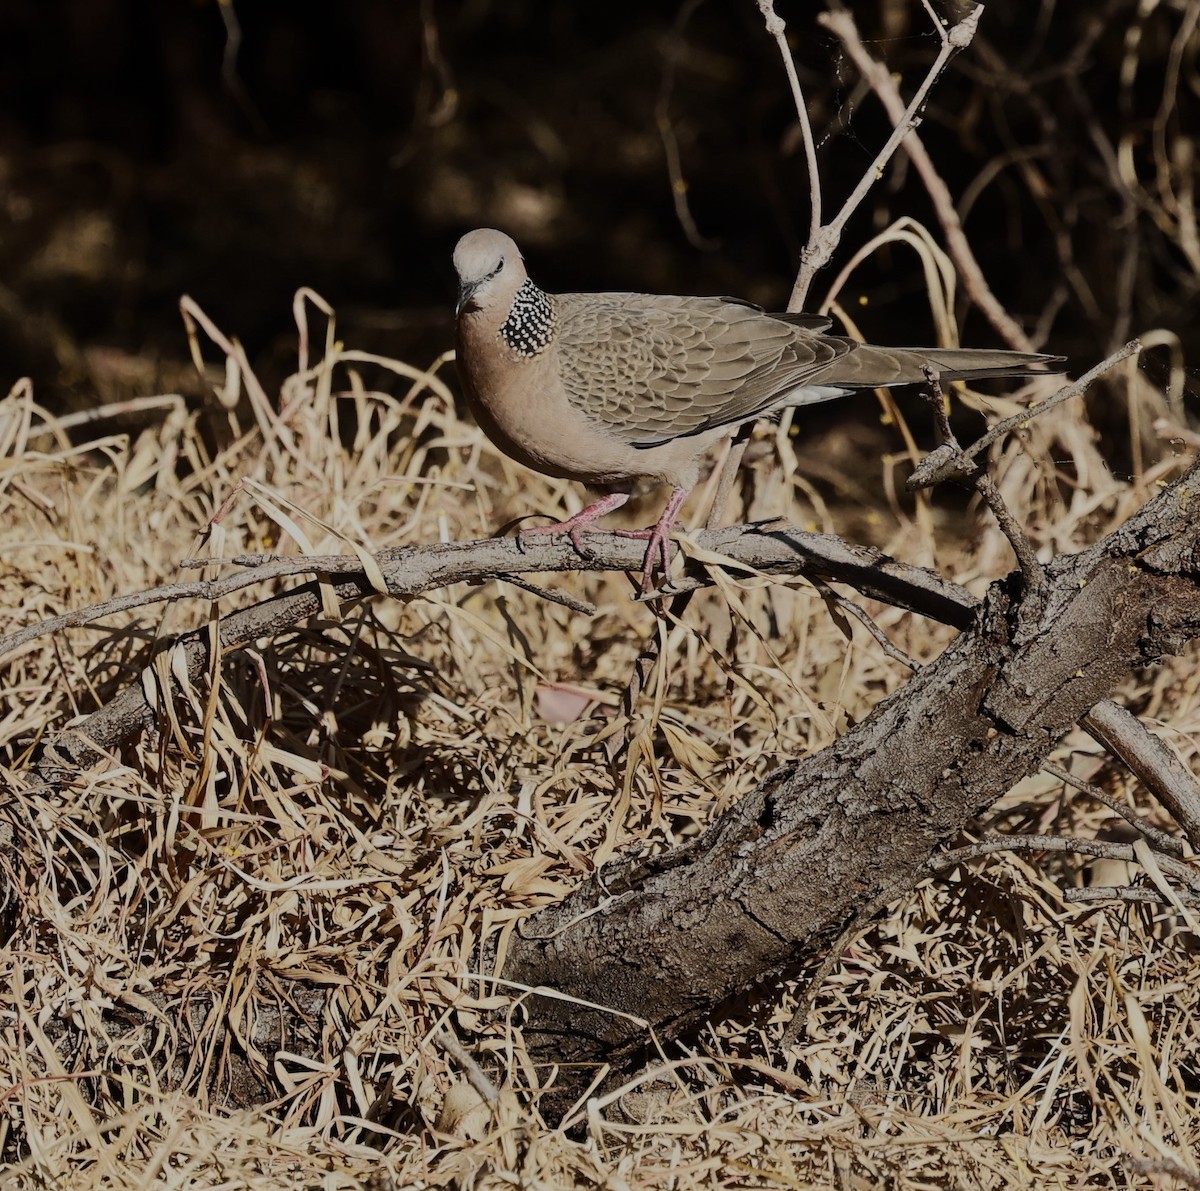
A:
(657, 537)
(573, 527)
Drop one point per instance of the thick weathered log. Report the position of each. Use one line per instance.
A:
(822, 842)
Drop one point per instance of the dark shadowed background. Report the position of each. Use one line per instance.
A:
(235, 152)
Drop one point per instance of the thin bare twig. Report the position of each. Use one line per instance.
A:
(1100, 849)
(672, 49)
(880, 80)
(778, 30)
(733, 461)
(1160, 839)
(1027, 560)
(1125, 893)
(729, 471)
(471, 1069)
(904, 119)
(820, 247)
(860, 614)
(1166, 1166)
(823, 240)
(958, 462)
(553, 597)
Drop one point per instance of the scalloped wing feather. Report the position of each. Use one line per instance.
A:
(656, 368)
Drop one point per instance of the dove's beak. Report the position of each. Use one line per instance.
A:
(466, 291)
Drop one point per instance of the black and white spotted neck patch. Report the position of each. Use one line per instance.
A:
(529, 327)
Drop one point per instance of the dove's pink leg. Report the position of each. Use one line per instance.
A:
(573, 527)
(658, 538)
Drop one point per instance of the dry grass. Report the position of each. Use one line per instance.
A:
(334, 829)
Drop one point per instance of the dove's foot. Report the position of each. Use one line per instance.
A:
(658, 539)
(574, 526)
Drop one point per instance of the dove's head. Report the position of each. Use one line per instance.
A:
(490, 270)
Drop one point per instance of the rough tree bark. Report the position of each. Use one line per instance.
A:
(823, 843)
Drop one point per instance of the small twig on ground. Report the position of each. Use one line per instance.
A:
(471, 1069)
(1167, 1166)
(1160, 839)
(1100, 849)
(1125, 893)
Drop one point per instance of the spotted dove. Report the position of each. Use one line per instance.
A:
(618, 389)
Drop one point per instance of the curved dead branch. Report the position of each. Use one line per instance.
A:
(768, 549)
